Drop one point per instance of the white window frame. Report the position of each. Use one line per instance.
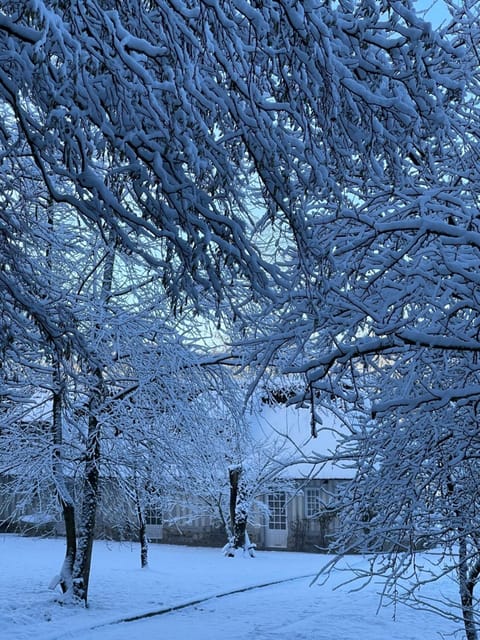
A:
(313, 501)
(277, 507)
(153, 516)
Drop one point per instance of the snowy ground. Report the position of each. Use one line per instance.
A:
(291, 610)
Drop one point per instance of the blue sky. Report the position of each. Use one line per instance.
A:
(437, 11)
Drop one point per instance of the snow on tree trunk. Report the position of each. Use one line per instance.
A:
(240, 522)
(239, 510)
(142, 529)
(142, 532)
(466, 591)
(64, 496)
(68, 511)
(90, 498)
(81, 571)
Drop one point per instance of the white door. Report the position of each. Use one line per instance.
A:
(277, 529)
(154, 523)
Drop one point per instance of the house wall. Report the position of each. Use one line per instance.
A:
(309, 522)
(194, 535)
(309, 525)
(183, 525)
(312, 522)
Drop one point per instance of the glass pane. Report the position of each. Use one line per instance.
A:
(312, 502)
(153, 516)
(278, 516)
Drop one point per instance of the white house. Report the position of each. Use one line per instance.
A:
(296, 516)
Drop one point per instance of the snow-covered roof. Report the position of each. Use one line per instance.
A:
(289, 429)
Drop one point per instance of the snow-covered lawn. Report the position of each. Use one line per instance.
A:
(291, 610)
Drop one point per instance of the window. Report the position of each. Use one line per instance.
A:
(153, 515)
(278, 515)
(313, 502)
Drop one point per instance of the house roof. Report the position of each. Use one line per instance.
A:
(290, 429)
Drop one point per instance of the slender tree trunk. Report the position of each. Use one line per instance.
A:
(66, 575)
(468, 577)
(86, 532)
(91, 484)
(142, 529)
(65, 579)
(64, 496)
(233, 477)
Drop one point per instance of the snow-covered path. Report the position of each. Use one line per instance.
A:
(290, 610)
(283, 611)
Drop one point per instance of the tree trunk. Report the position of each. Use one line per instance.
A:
(66, 575)
(83, 559)
(143, 544)
(238, 515)
(142, 530)
(467, 581)
(64, 496)
(240, 524)
(65, 579)
(240, 534)
(233, 477)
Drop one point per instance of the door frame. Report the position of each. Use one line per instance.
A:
(276, 526)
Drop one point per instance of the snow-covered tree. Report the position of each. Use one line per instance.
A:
(384, 314)
(223, 467)
(416, 484)
(159, 385)
(182, 439)
(204, 105)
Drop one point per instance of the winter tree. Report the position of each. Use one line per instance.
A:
(224, 466)
(384, 314)
(180, 438)
(164, 394)
(416, 488)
